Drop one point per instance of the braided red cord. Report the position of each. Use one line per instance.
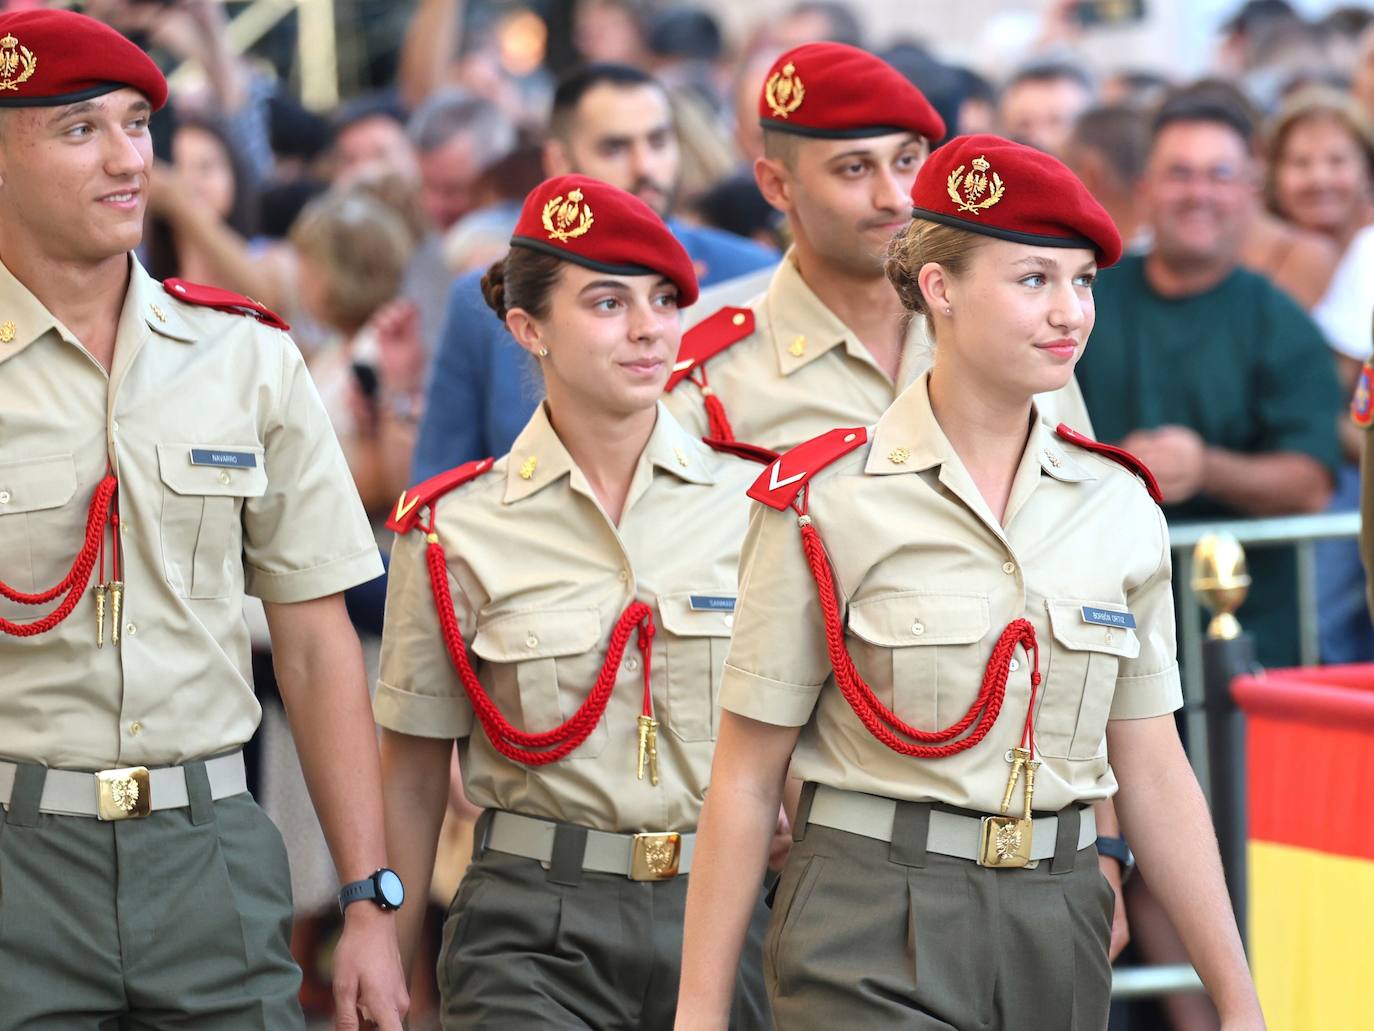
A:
(882, 721)
(74, 583)
(716, 419)
(518, 745)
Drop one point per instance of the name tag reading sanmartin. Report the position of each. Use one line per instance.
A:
(224, 459)
(1108, 617)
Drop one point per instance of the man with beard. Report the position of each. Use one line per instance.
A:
(1208, 372)
(610, 122)
(828, 344)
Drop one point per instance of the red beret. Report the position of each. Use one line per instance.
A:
(990, 185)
(839, 92)
(593, 224)
(50, 58)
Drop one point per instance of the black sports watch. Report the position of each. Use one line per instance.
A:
(1116, 848)
(384, 888)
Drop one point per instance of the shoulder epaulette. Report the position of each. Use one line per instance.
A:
(223, 300)
(751, 452)
(1116, 454)
(779, 484)
(708, 338)
(406, 515)
(1362, 404)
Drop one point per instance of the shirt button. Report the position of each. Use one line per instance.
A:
(130, 629)
(918, 628)
(4, 497)
(729, 621)
(1109, 636)
(114, 426)
(531, 641)
(224, 478)
(123, 526)
(623, 575)
(1013, 665)
(1008, 567)
(632, 664)
(135, 728)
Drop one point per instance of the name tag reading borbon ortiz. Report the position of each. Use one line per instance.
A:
(1108, 617)
(224, 459)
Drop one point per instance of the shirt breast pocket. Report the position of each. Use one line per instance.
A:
(912, 648)
(697, 628)
(38, 541)
(1080, 679)
(533, 657)
(201, 524)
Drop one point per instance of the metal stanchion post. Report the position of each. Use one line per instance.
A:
(1220, 581)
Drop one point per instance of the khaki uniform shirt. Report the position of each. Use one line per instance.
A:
(539, 577)
(803, 372)
(928, 580)
(284, 524)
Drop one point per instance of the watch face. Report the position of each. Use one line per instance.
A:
(389, 888)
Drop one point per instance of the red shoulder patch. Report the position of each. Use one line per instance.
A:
(751, 452)
(779, 484)
(1362, 404)
(223, 300)
(708, 338)
(1116, 454)
(406, 515)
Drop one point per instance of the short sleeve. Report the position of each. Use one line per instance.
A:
(1149, 684)
(1346, 311)
(1297, 398)
(777, 663)
(307, 535)
(418, 690)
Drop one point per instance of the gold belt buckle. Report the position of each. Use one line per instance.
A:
(655, 857)
(1006, 842)
(124, 794)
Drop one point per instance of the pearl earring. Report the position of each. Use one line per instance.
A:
(949, 310)
(543, 352)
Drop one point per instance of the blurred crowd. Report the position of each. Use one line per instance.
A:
(1240, 318)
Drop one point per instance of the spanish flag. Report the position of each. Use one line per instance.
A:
(1310, 743)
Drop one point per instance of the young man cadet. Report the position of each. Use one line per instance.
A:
(158, 457)
(828, 344)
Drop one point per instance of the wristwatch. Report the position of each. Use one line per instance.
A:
(1116, 848)
(384, 888)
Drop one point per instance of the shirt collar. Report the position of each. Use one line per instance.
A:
(804, 329)
(538, 457)
(908, 439)
(23, 319)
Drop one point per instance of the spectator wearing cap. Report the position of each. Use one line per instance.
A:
(613, 123)
(606, 522)
(826, 344)
(1207, 371)
(943, 871)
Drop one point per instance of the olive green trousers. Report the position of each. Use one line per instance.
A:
(178, 920)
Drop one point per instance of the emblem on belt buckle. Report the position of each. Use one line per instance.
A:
(655, 857)
(1006, 842)
(124, 794)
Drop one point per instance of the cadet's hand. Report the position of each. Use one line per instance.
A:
(1176, 455)
(368, 982)
(1121, 929)
(401, 356)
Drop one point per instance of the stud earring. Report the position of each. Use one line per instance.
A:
(543, 352)
(949, 310)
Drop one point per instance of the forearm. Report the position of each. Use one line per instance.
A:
(734, 832)
(323, 686)
(226, 253)
(415, 787)
(431, 42)
(1165, 818)
(1276, 483)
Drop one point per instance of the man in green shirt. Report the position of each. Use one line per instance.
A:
(1208, 372)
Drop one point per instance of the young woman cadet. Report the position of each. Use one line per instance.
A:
(948, 622)
(563, 613)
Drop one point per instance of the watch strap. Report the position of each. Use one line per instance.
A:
(357, 891)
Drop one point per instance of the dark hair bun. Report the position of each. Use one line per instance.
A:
(494, 288)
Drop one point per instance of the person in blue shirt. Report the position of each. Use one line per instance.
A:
(610, 122)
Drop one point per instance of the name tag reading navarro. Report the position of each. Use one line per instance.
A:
(1108, 617)
(224, 459)
(711, 603)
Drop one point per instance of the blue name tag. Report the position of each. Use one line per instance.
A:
(225, 459)
(711, 603)
(1108, 617)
